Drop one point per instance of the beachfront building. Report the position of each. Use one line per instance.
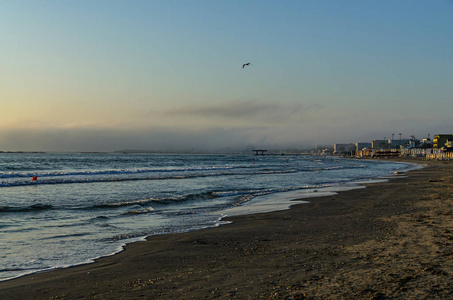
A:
(380, 144)
(364, 152)
(402, 142)
(362, 146)
(386, 152)
(426, 143)
(411, 143)
(449, 145)
(390, 148)
(396, 143)
(363, 149)
(343, 148)
(416, 152)
(440, 140)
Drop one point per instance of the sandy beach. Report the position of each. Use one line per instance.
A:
(391, 240)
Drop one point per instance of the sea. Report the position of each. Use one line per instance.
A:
(83, 206)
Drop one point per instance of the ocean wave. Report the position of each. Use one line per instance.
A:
(140, 235)
(267, 191)
(31, 208)
(112, 172)
(245, 196)
(96, 180)
(140, 211)
(122, 204)
(149, 203)
(128, 175)
(18, 230)
(332, 168)
(56, 237)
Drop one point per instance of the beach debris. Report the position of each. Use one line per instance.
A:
(35, 178)
(247, 64)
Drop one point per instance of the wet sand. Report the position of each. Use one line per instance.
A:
(390, 240)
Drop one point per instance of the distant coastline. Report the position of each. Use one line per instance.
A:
(23, 152)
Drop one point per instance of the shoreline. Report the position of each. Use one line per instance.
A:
(275, 202)
(283, 254)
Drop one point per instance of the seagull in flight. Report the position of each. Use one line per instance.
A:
(247, 64)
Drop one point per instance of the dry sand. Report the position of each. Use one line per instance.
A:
(390, 240)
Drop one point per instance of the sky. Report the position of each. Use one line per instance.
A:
(107, 75)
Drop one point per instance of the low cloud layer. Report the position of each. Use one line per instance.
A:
(253, 112)
(227, 126)
(210, 139)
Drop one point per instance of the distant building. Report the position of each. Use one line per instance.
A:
(343, 148)
(361, 146)
(397, 143)
(449, 145)
(378, 144)
(427, 141)
(413, 143)
(440, 140)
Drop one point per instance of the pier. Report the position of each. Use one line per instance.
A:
(259, 152)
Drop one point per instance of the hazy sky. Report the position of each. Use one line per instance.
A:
(103, 75)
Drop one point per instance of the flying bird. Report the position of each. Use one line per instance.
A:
(247, 64)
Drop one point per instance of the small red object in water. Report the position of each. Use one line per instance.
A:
(35, 178)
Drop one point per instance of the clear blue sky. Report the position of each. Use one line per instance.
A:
(104, 75)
